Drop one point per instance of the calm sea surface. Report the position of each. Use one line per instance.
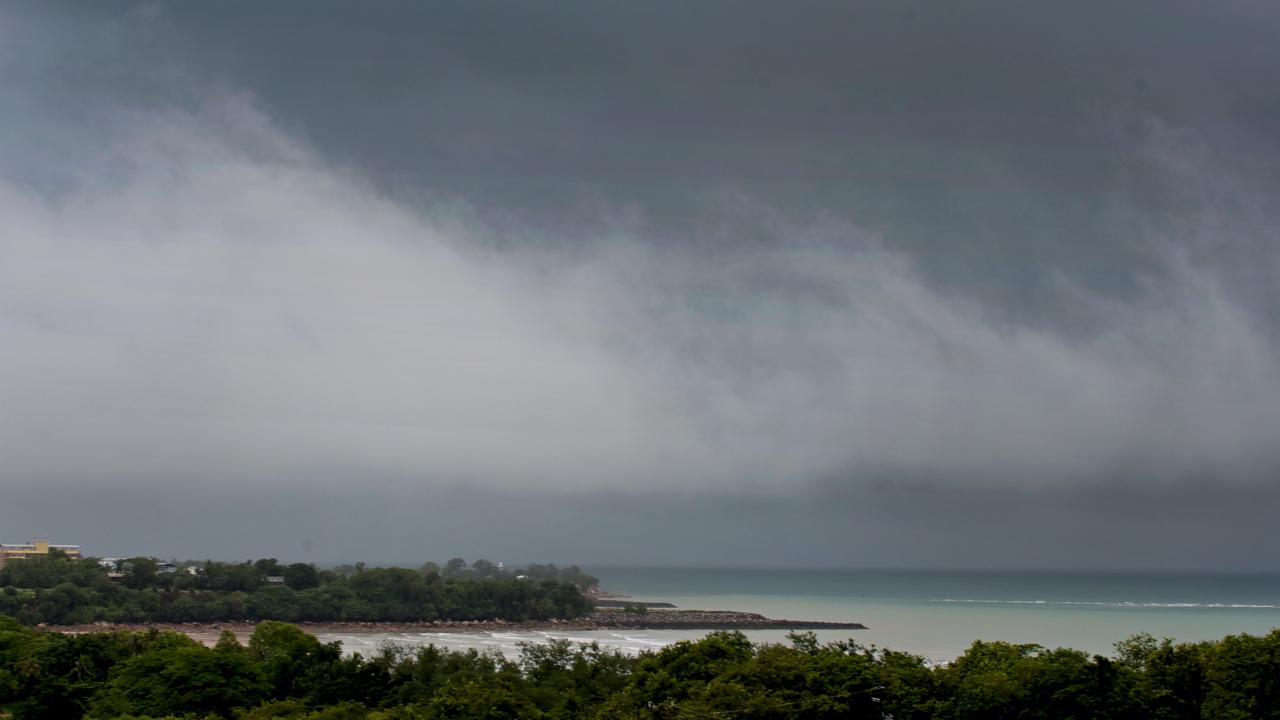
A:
(932, 613)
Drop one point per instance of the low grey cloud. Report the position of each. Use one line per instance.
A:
(844, 273)
(215, 302)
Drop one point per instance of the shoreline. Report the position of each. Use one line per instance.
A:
(709, 620)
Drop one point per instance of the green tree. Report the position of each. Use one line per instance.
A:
(301, 576)
(471, 699)
(179, 681)
(485, 569)
(454, 568)
(1243, 676)
(284, 653)
(1167, 681)
(139, 572)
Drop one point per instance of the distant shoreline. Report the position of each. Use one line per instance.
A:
(208, 633)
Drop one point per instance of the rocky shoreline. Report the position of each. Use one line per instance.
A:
(624, 603)
(601, 620)
(703, 620)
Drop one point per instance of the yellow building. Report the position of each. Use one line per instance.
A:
(37, 548)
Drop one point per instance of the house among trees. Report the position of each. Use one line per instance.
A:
(120, 567)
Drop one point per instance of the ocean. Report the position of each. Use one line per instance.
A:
(936, 614)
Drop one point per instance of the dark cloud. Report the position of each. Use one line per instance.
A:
(1193, 528)
(863, 274)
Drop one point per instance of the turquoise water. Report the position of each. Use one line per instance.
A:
(939, 613)
(934, 614)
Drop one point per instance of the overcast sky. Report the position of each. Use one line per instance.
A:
(991, 284)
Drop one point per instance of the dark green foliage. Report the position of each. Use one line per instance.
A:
(301, 576)
(1002, 680)
(1243, 678)
(62, 591)
(1169, 681)
(182, 680)
(48, 675)
(285, 673)
(572, 575)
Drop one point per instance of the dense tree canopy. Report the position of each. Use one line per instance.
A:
(285, 673)
(65, 591)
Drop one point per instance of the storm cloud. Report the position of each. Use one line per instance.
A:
(785, 271)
